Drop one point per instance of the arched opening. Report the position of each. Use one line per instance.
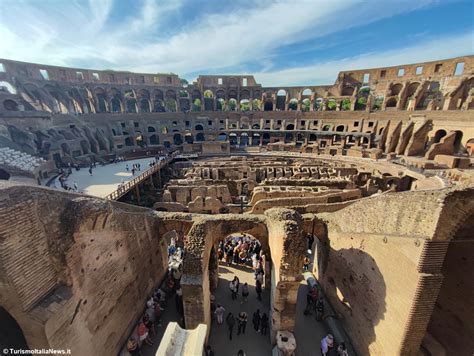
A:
(222, 137)
(220, 104)
(439, 135)
(457, 142)
(281, 100)
(255, 139)
(199, 127)
(268, 105)
(132, 105)
(306, 105)
(289, 137)
(244, 139)
(154, 140)
(244, 105)
(159, 105)
(396, 89)
(362, 98)
(208, 100)
(293, 104)
(151, 129)
(318, 104)
(178, 139)
(290, 127)
(200, 137)
(326, 127)
(312, 138)
(144, 105)
(233, 139)
(128, 141)
(4, 175)
(10, 105)
(256, 105)
(116, 104)
(167, 144)
(391, 102)
(451, 320)
(11, 335)
(340, 128)
(232, 104)
(189, 138)
(266, 138)
(331, 105)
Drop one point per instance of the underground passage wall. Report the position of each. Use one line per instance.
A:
(370, 264)
(75, 271)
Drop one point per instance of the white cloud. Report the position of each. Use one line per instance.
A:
(326, 73)
(64, 33)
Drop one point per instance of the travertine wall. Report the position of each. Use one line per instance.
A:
(374, 266)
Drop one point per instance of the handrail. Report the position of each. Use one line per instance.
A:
(127, 186)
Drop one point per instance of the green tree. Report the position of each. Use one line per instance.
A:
(232, 104)
(346, 104)
(331, 105)
(305, 105)
(257, 104)
(245, 106)
(197, 105)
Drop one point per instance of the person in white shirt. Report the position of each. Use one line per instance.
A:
(327, 343)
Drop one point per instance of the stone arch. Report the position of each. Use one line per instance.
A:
(232, 104)
(10, 105)
(178, 139)
(340, 128)
(293, 104)
(395, 89)
(188, 138)
(199, 127)
(290, 127)
(101, 100)
(439, 135)
(200, 137)
(222, 136)
(281, 99)
(154, 140)
(131, 105)
(282, 231)
(458, 141)
(11, 334)
(4, 175)
(391, 102)
(144, 105)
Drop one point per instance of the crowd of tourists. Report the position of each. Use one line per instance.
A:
(170, 288)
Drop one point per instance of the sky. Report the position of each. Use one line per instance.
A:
(301, 42)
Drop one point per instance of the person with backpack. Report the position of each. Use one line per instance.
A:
(230, 320)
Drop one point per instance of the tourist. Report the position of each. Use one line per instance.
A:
(143, 333)
(310, 238)
(233, 288)
(90, 171)
(259, 276)
(242, 319)
(240, 353)
(264, 324)
(327, 343)
(230, 320)
(133, 171)
(256, 318)
(149, 324)
(126, 167)
(258, 289)
(341, 349)
(133, 348)
(75, 186)
(245, 292)
(306, 263)
(208, 351)
(220, 310)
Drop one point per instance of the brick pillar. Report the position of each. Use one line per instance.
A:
(283, 313)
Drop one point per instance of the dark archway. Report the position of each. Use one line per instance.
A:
(439, 135)
(4, 175)
(457, 141)
(11, 335)
(178, 139)
(200, 137)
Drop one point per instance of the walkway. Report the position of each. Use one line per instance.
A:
(105, 179)
(251, 342)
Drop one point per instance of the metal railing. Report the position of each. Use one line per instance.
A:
(127, 186)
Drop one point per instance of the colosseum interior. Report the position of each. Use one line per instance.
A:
(378, 167)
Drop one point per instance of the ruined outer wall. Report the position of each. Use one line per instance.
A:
(370, 271)
(75, 271)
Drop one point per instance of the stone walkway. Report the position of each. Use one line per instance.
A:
(251, 342)
(105, 179)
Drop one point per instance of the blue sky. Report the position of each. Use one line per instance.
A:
(280, 42)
